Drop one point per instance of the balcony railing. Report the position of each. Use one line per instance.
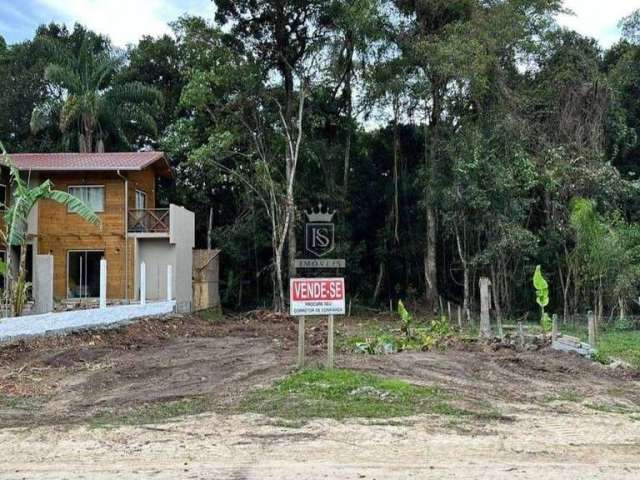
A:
(149, 220)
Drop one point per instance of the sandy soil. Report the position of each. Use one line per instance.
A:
(562, 416)
(537, 445)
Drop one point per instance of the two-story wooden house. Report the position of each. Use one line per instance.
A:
(121, 188)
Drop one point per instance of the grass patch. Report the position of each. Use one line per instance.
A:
(154, 413)
(19, 403)
(565, 396)
(624, 345)
(608, 408)
(613, 344)
(343, 394)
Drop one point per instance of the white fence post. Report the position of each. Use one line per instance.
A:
(103, 283)
(169, 282)
(143, 284)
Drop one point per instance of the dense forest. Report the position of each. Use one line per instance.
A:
(454, 138)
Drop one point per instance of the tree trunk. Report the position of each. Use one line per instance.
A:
(431, 145)
(349, 113)
(376, 292)
(19, 290)
(396, 157)
(210, 228)
(430, 268)
(288, 119)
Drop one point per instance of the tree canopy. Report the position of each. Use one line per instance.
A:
(455, 139)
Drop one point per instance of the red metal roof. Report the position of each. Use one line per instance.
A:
(125, 161)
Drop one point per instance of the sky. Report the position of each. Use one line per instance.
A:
(125, 21)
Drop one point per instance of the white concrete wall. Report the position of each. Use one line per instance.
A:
(182, 235)
(156, 253)
(159, 251)
(35, 325)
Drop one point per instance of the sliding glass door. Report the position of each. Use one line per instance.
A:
(83, 278)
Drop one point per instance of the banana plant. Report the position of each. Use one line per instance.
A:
(406, 317)
(542, 297)
(23, 200)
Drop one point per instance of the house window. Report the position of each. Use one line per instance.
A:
(83, 274)
(141, 200)
(3, 196)
(92, 196)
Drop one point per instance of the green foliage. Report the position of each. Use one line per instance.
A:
(23, 200)
(406, 318)
(623, 345)
(484, 112)
(94, 108)
(623, 323)
(412, 335)
(542, 288)
(542, 298)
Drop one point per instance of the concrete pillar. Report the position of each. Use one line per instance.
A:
(103, 283)
(485, 302)
(143, 284)
(43, 284)
(169, 282)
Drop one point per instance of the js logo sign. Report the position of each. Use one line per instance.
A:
(319, 232)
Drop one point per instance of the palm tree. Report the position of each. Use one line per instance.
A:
(14, 234)
(90, 106)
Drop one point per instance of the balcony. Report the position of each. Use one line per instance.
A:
(150, 220)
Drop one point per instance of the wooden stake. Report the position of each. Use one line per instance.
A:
(485, 302)
(554, 328)
(592, 329)
(520, 335)
(300, 342)
(459, 318)
(448, 312)
(330, 343)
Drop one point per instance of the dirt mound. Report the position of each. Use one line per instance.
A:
(57, 379)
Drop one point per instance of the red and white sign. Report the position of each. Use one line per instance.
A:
(317, 296)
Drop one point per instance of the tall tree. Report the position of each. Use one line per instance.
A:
(282, 34)
(88, 107)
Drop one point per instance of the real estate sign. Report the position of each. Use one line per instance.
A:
(317, 296)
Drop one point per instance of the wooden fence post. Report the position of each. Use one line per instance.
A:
(485, 302)
(554, 328)
(592, 329)
(330, 352)
(459, 318)
(520, 335)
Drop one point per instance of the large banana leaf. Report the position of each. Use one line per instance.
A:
(25, 198)
(542, 288)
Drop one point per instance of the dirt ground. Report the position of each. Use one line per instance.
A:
(561, 416)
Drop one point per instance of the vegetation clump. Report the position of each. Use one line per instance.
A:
(412, 335)
(345, 394)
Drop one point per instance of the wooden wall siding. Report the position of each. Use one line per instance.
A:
(60, 231)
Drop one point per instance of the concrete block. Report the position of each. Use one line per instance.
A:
(43, 284)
